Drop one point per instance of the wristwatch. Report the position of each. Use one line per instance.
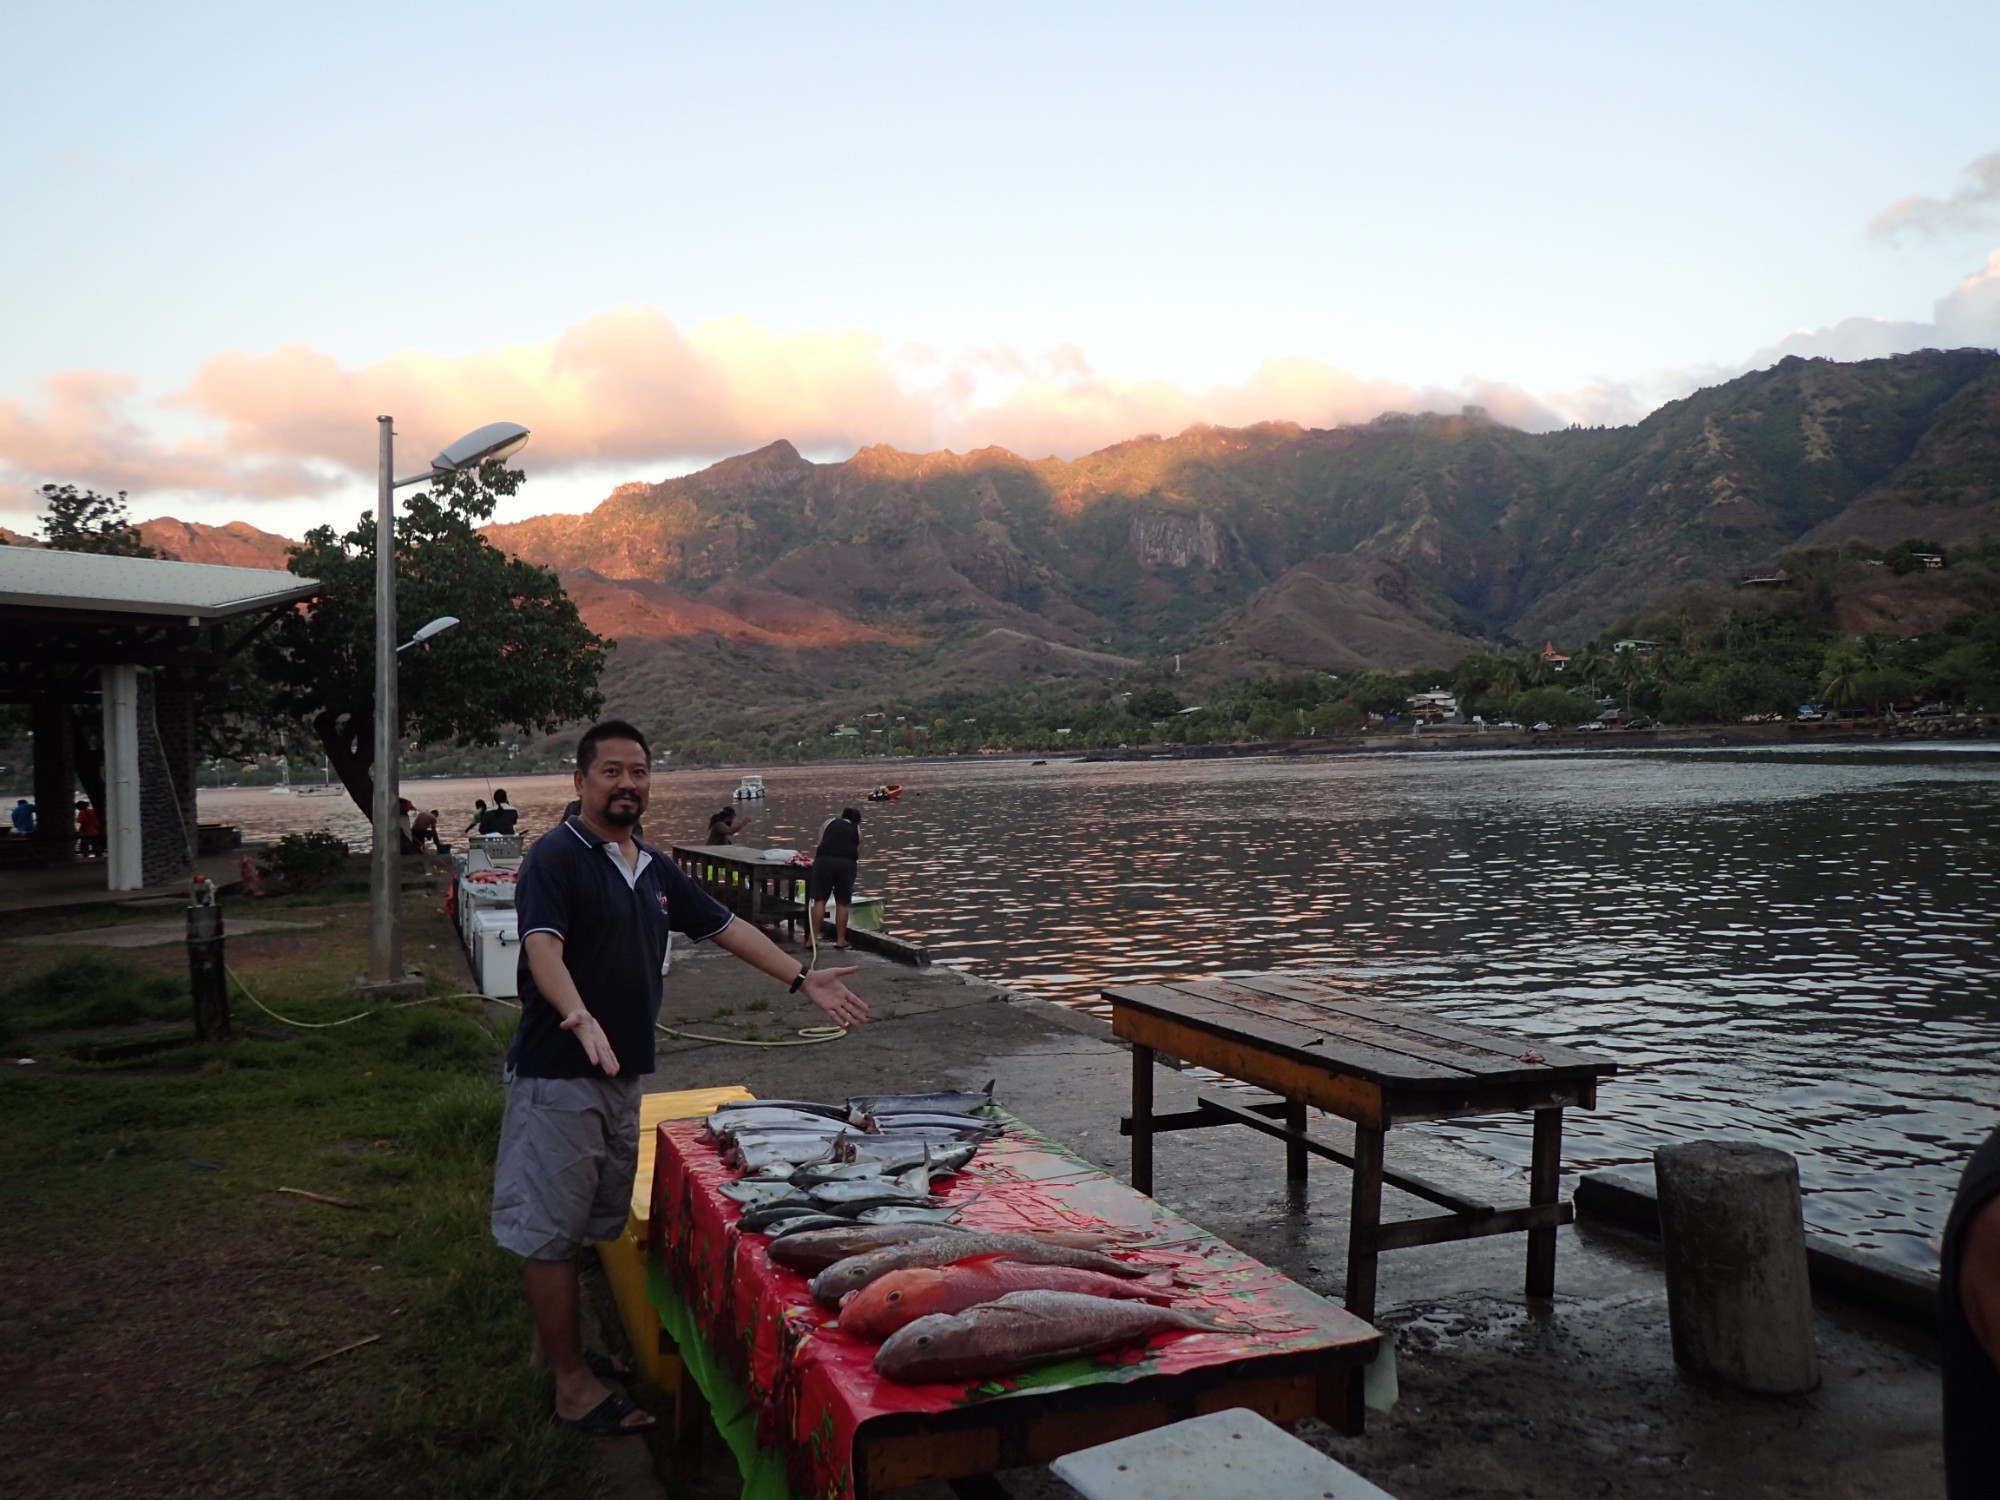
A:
(797, 982)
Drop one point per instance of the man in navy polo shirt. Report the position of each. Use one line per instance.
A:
(595, 906)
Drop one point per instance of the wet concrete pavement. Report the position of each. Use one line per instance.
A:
(1500, 1397)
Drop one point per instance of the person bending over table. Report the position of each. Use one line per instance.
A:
(834, 865)
(595, 906)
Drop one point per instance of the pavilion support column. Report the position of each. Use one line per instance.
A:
(166, 780)
(124, 847)
(55, 782)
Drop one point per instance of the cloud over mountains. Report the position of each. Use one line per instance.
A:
(630, 390)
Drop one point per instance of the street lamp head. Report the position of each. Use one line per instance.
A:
(424, 632)
(494, 440)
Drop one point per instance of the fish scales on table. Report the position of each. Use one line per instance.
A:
(1024, 1328)
(765, 1125)
(851, 1275)
(799, 1106)
(955, 1101)
(752, 1193)
(870, 1190)
(854, 1171)
(795, 1151)
(806, 1224)
(758, 1217)
(967, 1126)
(901, 1297)
(905, 1213)
(862, 1145)
(814, 1252)
(808, 1252)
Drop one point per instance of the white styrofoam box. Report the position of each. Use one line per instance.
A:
(1226, 1455)
(495, 945)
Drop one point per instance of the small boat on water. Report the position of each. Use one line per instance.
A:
(749, 789)
(885, 794)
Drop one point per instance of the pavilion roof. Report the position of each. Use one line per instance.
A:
(51, 584)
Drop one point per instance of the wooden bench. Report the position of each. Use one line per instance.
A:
(1372, 1062)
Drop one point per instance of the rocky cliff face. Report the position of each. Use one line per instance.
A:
(1469, 530)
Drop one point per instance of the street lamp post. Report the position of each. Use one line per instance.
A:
(385, 904)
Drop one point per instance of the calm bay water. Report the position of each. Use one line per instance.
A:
(1798, 947)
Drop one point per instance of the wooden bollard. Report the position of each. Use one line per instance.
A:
(1737, 1294)
(208, 979)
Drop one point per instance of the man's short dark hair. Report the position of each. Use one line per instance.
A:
(852, 814)
(607, 729)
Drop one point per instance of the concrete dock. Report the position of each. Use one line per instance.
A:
(1497, 1398)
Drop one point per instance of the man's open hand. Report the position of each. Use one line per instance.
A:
(596, 1046)
(826, 989)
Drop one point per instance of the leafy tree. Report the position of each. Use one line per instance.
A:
(1556, 705)
(520, 658)
(77, 520)
(1378, 693)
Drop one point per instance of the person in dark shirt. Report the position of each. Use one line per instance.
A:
(834, 865)
(723, 826)
(1969, 1330)
(502, 817)
(594, 906)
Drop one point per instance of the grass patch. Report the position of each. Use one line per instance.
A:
(144, 1213)
(88, 990)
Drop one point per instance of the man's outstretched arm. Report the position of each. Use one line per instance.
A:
(826, 988)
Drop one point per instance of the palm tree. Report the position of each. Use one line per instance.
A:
(1536, 670)
(1841, 684)
(1628, 670)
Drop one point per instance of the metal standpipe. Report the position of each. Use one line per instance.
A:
(208, 975)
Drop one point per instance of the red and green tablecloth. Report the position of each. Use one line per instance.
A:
(813, 1388)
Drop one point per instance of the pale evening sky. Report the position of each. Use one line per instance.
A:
(661, 234)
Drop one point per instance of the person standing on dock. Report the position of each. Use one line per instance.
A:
(1969, 1330)
(595, 906)
(835, 863)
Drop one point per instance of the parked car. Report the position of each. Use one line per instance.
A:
(1643, 724)
(1931, 711)
(1506, 724)
(1540, 726)
(1591, 726)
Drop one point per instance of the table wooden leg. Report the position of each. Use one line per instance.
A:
(1142, 1119)
(1544, 1186)
(1295, 1151)
(1363, 1219)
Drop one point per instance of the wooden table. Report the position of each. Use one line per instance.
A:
(762, 891)
(1372, 1062)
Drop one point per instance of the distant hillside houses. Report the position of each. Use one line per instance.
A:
(1556, 660)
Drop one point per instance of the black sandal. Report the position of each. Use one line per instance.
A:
(607, 1366)
(607, 1418)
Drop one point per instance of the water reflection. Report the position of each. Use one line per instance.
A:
(1794, 947)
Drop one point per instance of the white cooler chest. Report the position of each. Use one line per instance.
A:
(493, 939)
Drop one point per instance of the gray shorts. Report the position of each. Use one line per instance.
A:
(568, 1150)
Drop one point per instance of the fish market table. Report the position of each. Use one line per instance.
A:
(760, 890)
(844, 1431)
(1373, 1062)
